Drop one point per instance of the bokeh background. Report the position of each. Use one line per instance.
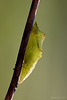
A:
(49, 79)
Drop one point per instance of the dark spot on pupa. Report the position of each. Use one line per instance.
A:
(13, 68)
(25, 61)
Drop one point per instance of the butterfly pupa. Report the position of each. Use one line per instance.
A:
(33, 52)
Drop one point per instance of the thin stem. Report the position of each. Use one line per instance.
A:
(18, 66)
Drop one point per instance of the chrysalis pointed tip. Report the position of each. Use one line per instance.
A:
(35, 24)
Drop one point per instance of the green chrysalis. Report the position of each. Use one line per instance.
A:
(33, 52)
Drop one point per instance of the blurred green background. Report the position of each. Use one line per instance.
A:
(49, 79)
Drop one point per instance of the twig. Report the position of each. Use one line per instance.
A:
(18, 66)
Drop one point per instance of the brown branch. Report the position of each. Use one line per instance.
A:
(18, 66)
